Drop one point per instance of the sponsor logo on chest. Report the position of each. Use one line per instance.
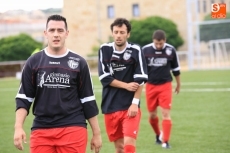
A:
(53, 80)
(157, 61)
(55, 63)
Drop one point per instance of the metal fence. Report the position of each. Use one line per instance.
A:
(208, 38)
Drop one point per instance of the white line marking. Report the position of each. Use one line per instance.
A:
(98, 88)
(9, 89)
(203, 83)
(191, 90)
(206, 90)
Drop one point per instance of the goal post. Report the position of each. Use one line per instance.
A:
(220, 53)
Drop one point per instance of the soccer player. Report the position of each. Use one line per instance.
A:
(122, 71)
(57, 82)
(161, 58)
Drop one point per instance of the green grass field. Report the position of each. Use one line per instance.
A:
(200, 114)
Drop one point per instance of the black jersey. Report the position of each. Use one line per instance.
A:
(60, 89)
(128, 66)
(160, 63)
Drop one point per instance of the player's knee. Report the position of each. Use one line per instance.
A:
(166, 115)
(129, 141)
(119, 149)
(119, 146)
(153, 115)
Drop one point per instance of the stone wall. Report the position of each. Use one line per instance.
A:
(88, 20)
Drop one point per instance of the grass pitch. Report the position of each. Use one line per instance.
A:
(200, 115)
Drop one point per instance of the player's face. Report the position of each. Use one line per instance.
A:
(120, 35)
(56, 34)
(159, 44)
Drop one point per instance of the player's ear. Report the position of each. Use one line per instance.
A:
(45, 33)
(67, 32)
(128, 35)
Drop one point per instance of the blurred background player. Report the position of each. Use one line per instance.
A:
(57, 82)
(161, 58)
(122, 71)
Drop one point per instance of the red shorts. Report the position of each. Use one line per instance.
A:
(158, 95)
(118, 125)
(59, 140)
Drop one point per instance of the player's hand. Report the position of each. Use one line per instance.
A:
(19, 138)
(96, 143)
(133, 110)
(132, 86)
(177, 89)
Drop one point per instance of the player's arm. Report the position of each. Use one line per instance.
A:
(103, 69)
(140, 76)
(133, 109)
(86, 93)
(177, 90)
(85, 90)
(176, 74)
(24, 99)
(90, 108)
(19, 134)
(96, 141)
(132, 86)
(175, 66)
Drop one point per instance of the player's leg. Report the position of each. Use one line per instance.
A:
(154, 122)
(71, 140)
(152, 103)
(165, 100)
(113, 127)
(129, 145)
(119, 145)
(40, 141)
(166, 127)
(131, 130)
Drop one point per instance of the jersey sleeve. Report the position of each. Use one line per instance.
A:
(103, 70)
(86, 94)
(140, 74)
(175, 66)
(27, 88)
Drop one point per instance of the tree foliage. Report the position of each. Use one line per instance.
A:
(17, 47)
(214, 31)
(142, 31)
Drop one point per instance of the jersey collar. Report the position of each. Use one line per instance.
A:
(155, 46)
(56, 56)
(120, 52)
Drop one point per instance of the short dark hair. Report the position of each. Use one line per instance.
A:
(57, 18)
(159, 35)
(119, 22)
